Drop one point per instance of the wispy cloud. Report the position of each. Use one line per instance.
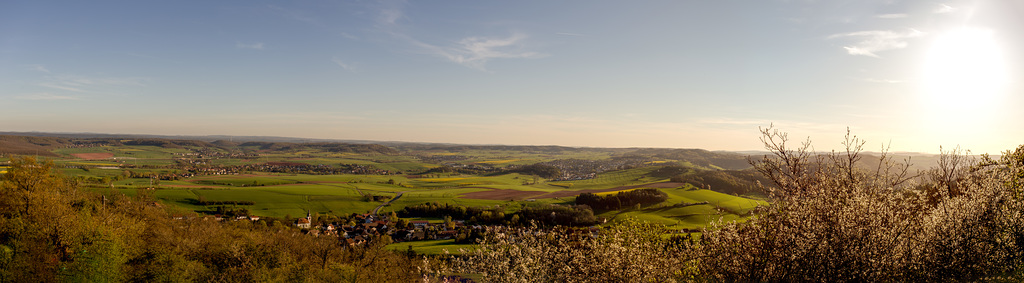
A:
(99, 81)
(874, 41)
(46, 96)
(39, 68)
(473, 52)
(942, 9)
(257, 46)
(349, 36)
(88, 84)
(476, 51)
(346, 66)
(892, 16)
(61, 87)
(390, 16)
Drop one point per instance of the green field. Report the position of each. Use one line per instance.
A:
(431, 247)
(280, 195)
(278, 201)
(673, 213)
(616, 178)
(293, 193)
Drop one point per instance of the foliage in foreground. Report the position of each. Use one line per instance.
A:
(627, 252)
(829, 220)
(52, 231)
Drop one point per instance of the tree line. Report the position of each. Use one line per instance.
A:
(203, 201)
(642, 197)
(544, 215)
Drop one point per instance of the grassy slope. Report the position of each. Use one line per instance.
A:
(719, 206)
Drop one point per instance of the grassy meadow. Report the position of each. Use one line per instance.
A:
(431, 247)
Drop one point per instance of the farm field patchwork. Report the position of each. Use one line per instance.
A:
(177, 177)
(291, 194)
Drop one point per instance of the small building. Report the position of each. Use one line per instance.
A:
(446, 234)
(420, 223)
(303, 223)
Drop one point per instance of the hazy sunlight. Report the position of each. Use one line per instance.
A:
(964, 69)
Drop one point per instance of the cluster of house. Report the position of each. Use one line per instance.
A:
(473, 166)
(579, 169)
(442, 158)
(369, 226)
(218, 217)
(200, 167)
(210, 153)
(574, 177)
(284, 167)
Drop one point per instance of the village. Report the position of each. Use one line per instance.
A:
(360, 229)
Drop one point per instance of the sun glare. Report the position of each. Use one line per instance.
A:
(963, 85)
(964, 71)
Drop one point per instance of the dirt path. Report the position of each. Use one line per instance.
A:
(377, 210)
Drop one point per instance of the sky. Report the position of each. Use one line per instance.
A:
(907, 75)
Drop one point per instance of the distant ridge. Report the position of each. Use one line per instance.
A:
(224, 140)
(244, 139)
(29, 145)
(239, 139)
(208, 138)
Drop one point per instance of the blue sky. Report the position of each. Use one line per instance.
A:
(680, 74)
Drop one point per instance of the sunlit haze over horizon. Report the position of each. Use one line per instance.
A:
(915, 75)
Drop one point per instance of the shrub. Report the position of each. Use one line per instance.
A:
(830, 221)
(627, 252)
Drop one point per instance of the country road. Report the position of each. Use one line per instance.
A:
(377, 210)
